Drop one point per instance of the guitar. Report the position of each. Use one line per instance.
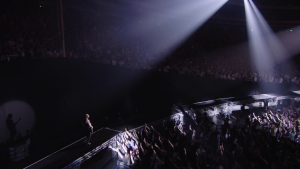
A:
(17, 121)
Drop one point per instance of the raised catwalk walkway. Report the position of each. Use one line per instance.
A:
(63, 157)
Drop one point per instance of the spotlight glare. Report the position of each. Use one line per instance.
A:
(266, 49)
(165, 25)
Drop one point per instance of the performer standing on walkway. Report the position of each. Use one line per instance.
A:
(88, 129)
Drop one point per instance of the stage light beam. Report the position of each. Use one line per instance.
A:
(276, 48)
(266, 49)
(178, 20)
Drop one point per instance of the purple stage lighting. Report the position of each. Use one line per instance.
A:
(276, 48)
(265, 47)
(163, 25)
(291, 40)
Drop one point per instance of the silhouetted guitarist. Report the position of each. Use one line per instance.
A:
(11, 126)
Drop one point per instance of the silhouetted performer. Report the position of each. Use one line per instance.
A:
(88, 129)
(11, 126)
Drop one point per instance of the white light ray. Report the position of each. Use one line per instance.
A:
(276, 48)
(175, 22)
(297, 92)
(265, 46)
(262, 58)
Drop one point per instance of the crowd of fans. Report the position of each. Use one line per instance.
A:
(206, 54)
(271, 140)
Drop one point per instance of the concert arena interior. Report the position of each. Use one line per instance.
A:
(149, 84)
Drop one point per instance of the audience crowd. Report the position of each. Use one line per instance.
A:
(29, 31)
(271, 140)
(267, 141)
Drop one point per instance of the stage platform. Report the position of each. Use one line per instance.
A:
(64, 156)
(71, 153)
(59, 153)
(102, 160)
(60, 157)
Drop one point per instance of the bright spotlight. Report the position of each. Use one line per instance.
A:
(266, 49)
(177, 21)
(22, 115)
(276, 48)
